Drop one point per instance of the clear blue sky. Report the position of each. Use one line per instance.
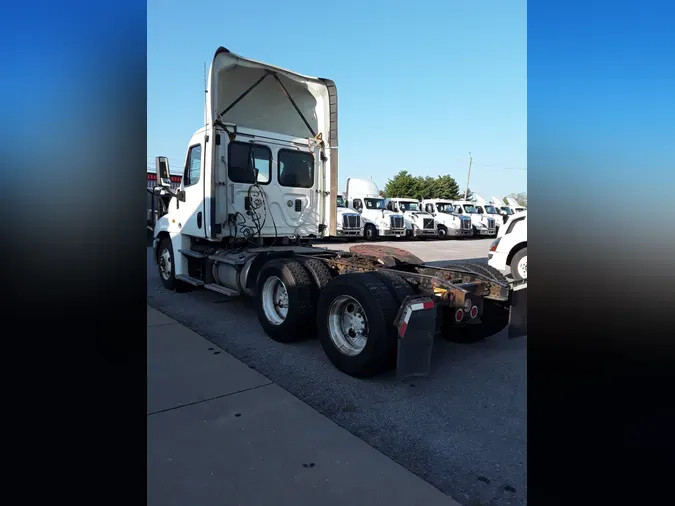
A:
(420, 84)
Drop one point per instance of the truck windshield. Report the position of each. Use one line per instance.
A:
(491, 210)
(374, 203)
(468, 208)
(340, 201)
(507, 211)
(409, 206)
(445, 208)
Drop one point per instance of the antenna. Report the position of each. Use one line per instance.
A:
(205, 92)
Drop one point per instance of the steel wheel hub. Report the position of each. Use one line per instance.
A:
(275, 300)
(165, 264)
(522, 267)
(347, 325)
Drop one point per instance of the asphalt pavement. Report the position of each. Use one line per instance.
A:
(463, 429)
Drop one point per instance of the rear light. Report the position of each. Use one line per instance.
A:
(495, 243)
(474, 312)
(459, 315)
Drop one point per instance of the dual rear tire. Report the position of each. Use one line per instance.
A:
(352, 314)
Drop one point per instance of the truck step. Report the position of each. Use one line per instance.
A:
(190, 280)
(193, 254)
(223, 290)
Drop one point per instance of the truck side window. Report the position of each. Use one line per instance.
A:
(358, 205)
(430, 208)
(296, 168)
(240, 166)
(193, 170)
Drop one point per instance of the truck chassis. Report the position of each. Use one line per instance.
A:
(373, 307)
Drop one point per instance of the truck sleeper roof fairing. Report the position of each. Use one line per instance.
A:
(251, 94)
(260, 96)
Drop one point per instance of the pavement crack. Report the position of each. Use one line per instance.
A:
(208, 400)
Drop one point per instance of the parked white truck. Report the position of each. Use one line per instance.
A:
(507, 210)
(261, 175)
(481, 223)
(510, 247)
(485, 208)
(363, 196)
(348, 220)
(448, 222)
(417, 222)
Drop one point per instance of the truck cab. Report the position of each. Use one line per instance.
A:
(448, 222)
(363, 196)
(348, 221)
(482, 224)
(507, 210)
(418, 223)
(487, 209)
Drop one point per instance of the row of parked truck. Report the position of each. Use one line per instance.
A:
(362, 212)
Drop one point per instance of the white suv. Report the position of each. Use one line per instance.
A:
(510, 247)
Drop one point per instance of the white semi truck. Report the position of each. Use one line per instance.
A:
(417, 222)
(485, 208)
(507, 210)
(363, 196)
(448, 222)
(348, 220)
(260, 176)
(482, 224)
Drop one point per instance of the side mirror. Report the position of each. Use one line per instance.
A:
(162, 171)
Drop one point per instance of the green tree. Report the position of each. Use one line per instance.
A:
(404, 184)
(521, 198)
(445, 187)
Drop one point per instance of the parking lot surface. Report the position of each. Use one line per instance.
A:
(463, 429)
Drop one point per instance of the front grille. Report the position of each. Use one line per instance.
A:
(428, 223)
(491, 223)
(397, 222)
(351, 221)
(466, 224)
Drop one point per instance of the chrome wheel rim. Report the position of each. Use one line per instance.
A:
(347, 325)
(165, 264)
(522, 267)
(275, 300)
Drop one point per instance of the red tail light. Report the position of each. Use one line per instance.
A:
(459, 315)
(474, 312)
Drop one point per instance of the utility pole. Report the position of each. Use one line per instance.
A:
(466, 192)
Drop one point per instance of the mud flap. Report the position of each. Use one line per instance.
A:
(518, 317)
(416, 327)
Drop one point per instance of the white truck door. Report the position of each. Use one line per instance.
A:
(244, 159)
(192, 211)
(296, 173)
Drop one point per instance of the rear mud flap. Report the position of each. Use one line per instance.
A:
(518, 317)
(416, 328)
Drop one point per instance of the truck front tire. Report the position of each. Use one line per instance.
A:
(284, 302)
(370, 232)
(442, 232)
(166, 267)
(355, 319)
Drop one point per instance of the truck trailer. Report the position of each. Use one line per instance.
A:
(260, 177)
